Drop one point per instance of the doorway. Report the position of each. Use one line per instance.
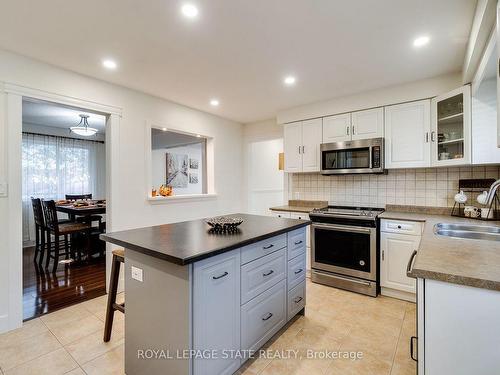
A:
(63, 161)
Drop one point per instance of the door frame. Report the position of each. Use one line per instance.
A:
(13, 96)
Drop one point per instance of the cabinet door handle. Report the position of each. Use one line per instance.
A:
(353, 130)
(298, 271)
(297, 300)
(383, 255)
(408, 267)
(303, 149)
(299, 149)
(347, 129)
(412, 340)
(268, 273)
(433, 136)
(220, 276)
(298, 242)
(267, 247)
(269, 316)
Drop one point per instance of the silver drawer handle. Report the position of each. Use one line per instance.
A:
(221, 276)
(267, 247)
(297, 242)
(269, 316)
(297, 300)
(267, 274)
(298, 271)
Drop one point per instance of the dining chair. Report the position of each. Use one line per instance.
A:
(84, 197)
(56, 229)
(40, 229)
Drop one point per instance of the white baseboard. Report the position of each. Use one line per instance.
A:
(406, 296)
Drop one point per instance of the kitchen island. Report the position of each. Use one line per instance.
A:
(199, 302)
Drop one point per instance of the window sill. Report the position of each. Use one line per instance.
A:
(181, 198)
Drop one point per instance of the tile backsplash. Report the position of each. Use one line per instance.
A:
(434, 187)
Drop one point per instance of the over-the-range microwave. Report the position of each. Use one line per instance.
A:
(360, 156)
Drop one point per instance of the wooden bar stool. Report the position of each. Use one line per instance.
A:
(118, 257)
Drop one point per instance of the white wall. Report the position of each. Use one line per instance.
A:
(131, 208)
(158, 170)
(376, 98)
(264, 182)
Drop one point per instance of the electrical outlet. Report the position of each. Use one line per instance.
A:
(3, 189)
(137, 274)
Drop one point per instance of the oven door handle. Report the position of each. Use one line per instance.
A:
(342, 228)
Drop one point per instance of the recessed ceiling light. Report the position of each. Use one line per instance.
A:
(199, 136)
(421, 41)
(164, 129)
(289, 81)
(214, 103)
(189, 10)
(109, 64)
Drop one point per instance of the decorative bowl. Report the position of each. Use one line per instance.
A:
(224, 223)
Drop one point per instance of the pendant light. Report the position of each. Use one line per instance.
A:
(83, 128)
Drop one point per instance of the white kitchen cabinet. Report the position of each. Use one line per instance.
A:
(398, 240)
(216, 298)
(458, 330)
(337, 128)
(396, 250)
(484, 108)
(368, 124)
(292, 138)
(302, 141)
(407, 135)
(284, 214)
(451, 128)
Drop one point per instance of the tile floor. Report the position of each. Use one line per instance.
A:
(69, 341)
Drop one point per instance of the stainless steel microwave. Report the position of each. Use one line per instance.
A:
(360, 156)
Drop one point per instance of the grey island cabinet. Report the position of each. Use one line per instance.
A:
(201, 303)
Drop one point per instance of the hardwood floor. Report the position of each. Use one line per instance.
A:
(45, 292)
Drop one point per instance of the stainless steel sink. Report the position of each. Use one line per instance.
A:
(477, 232)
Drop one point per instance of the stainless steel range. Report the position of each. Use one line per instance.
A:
(345, 247)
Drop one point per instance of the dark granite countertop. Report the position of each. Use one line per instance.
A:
(190, 241)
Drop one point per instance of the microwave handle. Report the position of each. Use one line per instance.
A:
(371, 157)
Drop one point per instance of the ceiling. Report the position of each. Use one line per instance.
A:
(57, 116)
(239, 51)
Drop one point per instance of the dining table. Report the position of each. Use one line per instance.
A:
(84, 209)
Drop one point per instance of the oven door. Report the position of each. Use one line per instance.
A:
(345, 249)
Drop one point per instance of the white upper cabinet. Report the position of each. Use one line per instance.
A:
(407, 135)
(337, 128)
(302, 141)
(367, 124)
(311, 140)
(484, 108)
(293, 147)
(451, 128)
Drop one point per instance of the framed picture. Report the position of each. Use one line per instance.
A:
(193, 163)
(177, 170)
(193, 178)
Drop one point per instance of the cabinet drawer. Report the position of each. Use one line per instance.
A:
(261, 248)
(401, 226)
(296, 271)
(283, 214)
(261, 274)
(296, 242)
(296, 299)
(263, 316)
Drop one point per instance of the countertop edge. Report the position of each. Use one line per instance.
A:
(455, 279)
(201, 256)
(292, 209)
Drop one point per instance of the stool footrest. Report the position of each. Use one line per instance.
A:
(119, 306)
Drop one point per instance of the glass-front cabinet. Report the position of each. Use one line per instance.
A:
(451, 129)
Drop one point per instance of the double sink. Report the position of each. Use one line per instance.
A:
(476, 232)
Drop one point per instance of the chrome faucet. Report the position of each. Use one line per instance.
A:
(491, 193)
